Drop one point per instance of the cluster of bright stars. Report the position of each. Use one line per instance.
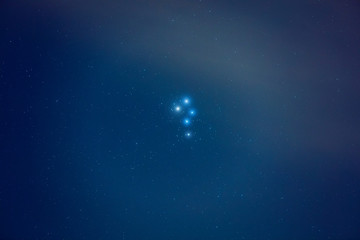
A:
(184, 110)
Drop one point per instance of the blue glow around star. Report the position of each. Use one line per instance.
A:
(186, 101)
(186, 122)
(192, 112)
(177, 108)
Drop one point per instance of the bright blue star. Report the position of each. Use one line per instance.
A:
(177, 108)
(192, 112)
(186, 101)
(188, 134)
(186, 122)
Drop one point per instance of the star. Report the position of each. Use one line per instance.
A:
(186, 122)
(186, 101)
(188, 134)
(192, 112)
(177, 108)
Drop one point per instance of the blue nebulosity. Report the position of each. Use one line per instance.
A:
(93, 98)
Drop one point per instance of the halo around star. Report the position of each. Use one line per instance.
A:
(186, 101)
(192, 112)
(177, 108)
(186, 121)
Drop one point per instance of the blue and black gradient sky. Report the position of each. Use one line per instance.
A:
(90, 149)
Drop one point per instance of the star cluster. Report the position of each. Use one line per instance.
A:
(184, 110)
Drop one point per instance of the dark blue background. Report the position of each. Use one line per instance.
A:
(89, 148)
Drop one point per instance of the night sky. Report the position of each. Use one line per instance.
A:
(92, 146)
